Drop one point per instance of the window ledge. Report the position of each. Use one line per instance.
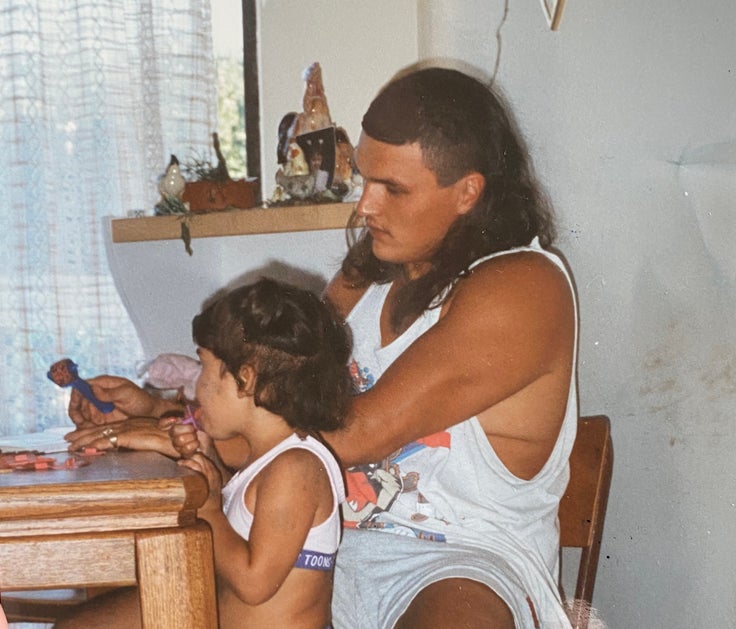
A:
(234, 222)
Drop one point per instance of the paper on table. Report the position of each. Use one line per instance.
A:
(47, 441)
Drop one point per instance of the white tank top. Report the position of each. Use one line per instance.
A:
(451, 486)
(322, 540)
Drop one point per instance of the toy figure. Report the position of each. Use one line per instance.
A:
(286, 130)
(171, 186)
(314, 157)
(295, 178)
(172, 183)
(346, 179)
(316, 114)
(65, 373)
(296, 164)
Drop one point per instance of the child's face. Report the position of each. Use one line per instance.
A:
(217, 394)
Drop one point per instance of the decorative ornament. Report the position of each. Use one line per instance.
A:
(173, 182)
(314, 155)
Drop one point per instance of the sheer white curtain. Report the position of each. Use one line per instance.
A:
(94, 97)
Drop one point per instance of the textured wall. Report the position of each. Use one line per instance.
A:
(630, 113)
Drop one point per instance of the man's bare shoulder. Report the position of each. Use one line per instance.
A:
(343, 294)
(514, 282)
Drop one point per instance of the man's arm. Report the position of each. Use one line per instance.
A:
(505, 340)
(343, 295)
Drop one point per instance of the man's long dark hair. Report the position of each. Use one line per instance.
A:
(461, 126)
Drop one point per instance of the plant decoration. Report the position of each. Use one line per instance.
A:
(204, 188)
(199, 169)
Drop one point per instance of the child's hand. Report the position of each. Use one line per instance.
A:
(186, 439)
(200, 463)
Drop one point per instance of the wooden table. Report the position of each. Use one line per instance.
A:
(128, 518)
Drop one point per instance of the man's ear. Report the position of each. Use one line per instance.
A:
(248, 378)
(470, 189)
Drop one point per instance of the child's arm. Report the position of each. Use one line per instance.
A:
(287, 498)
(187, 440)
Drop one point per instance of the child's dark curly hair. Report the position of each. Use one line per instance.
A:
(294, 342)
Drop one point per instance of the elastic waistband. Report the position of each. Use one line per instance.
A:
(312, 560)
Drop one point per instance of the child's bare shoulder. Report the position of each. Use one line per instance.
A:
(297, 463)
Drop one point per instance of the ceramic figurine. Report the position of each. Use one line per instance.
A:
(343, 181)
(296, 186)
(296, 164)
(315, 158)
(172, 183)
(286, 136)
(316, 114)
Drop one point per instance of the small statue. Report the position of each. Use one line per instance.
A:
(316, 114)
(294, 177)
(286, 135)
(346, 178)
(171, 186)
(172, 183)
(296, 164)
(296, 186)
(65, 373)
(314, 157)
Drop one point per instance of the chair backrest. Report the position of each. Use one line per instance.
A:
(583, 507)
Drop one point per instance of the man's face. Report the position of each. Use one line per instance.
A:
(405, 209)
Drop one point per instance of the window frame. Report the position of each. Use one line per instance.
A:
(251, 96)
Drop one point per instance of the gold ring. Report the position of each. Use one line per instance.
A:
(113, 439)
(107, 432)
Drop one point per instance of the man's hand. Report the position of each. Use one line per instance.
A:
(135, 433)
(129, 399)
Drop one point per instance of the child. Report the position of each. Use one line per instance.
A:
(274, 371)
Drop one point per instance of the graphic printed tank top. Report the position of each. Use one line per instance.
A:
(451, 486)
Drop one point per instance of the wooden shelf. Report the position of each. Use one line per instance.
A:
(234, 222)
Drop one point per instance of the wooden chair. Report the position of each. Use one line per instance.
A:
(583, 507)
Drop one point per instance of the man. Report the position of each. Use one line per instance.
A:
(464, 330)
(447, 334)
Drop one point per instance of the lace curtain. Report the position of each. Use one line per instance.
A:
(94, 97)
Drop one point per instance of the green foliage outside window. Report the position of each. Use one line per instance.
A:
(231, 114)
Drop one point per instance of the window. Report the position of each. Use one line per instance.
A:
(233, 30)
(94, 98)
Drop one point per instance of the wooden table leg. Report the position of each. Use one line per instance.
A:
(176, 578)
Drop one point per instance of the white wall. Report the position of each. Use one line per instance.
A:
(163, 288)
(630, 112)
(359, 45)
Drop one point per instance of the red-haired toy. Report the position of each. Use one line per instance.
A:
(65, 373)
